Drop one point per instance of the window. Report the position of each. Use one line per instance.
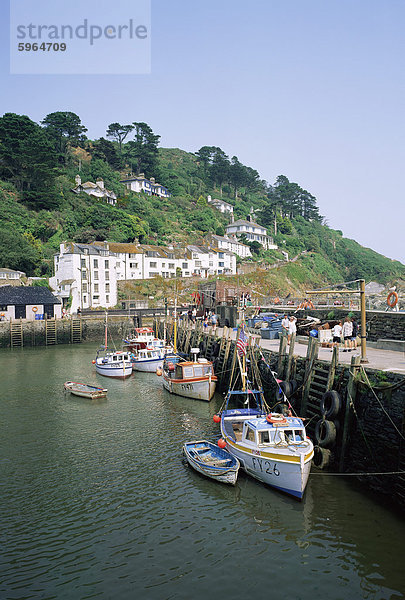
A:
(171, 265)
(264, 437)
(96, 287)
(95, 263)
(198, 263)
(96, 298)
(163, 265)
(84, 299)
(84, 287)
(107, 264)
(83, 262)
(220, 264)
(84, 274)
(250, 434)
(184, 265)
(3, 307)
(107, 275)
(153, 265)
(95, 274)
(107, 288)
(133, 265)
(118, 264)
(107, 298)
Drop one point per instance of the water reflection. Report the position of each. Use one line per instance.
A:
(96, 501)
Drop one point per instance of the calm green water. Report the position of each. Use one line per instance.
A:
(96, 502)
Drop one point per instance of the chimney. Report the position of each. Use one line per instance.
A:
(152, 180)
(249, 218)
(100, 183)
(78, 180)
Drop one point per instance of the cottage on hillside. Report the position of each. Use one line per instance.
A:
(95, 189)
(150, 187)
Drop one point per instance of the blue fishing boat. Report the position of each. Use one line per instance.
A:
(212, 461)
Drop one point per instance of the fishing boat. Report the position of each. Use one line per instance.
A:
(112, 363)
(148, 359)
(189, 378)
(84, 390)
(141, 337)
(270, 447)
(212, 461)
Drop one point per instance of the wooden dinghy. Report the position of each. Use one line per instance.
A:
(212, 461)
(84, 390)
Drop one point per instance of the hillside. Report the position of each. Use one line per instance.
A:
(39, 209)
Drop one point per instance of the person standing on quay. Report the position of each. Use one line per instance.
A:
(292, 328)
(285, 324)
(354, 334)
(337, 334)
(347, 331)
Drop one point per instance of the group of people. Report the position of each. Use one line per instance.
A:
(347, 330)
(289, 325)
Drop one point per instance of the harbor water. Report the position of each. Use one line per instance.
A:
(96, 502)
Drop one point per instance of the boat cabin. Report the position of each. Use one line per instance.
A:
(147, 354)
(115, 357)
(258, 432)
(190, 370)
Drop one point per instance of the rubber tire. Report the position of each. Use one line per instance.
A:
(325, 433)
(294, 385)
(215, 350)
(203, 348)
(286, 387)
(281, 408)
(322, 457)
(330, 404)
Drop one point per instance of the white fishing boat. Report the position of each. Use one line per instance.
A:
(148, 359)
(113, 363)
(270, 447)
(141, 337)
(211, 461)
(191, 379)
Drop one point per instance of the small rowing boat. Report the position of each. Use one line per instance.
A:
(212, 461)
(84, 390)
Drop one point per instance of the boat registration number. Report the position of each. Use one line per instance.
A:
(265, 466)
(187, 387)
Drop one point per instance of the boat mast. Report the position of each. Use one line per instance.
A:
(175, 326)
(105, 339)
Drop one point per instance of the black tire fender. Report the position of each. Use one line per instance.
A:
(215, 349)
(203, 347)
(330, 404)
(325, 433)
(322, 457)
(286, 388)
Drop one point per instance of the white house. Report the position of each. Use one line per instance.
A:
(87, 273)
(253, 232)
(221, 205)
(140, 184)
(95, 189)
(206, 261)
(26, 302)
(10, 277)
(231, 244)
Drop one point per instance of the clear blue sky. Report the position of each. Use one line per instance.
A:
(310, 89)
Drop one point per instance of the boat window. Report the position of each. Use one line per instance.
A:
(249, 434)
(179, 373)
(264, 437)
(207, 370)
(198, 371)
(299, 435)
(187, 372)
(289, 435)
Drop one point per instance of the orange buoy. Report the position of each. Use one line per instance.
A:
(216, 418)
(276, 419)
(221, 443)
(158, 372)
(94, 362)
(392, 299)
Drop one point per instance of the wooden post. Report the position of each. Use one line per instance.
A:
(312, 355)
(364, 358)
(290, 357)
(351, 396)
(332, 369)
(281, 354)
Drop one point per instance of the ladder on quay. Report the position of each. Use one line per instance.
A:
(50, 332)
(16, 334)
(76, 331)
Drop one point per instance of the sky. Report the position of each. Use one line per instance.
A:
(310, 89)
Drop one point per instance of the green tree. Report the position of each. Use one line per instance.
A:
(219, 169)
(16, 252)
(64, 128)
(105, 150)
(27, 160)
(119, 132)
(142, 151)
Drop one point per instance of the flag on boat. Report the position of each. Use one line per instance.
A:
(241, 344)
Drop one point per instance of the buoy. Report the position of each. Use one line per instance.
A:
(170, 366)
(216, 418)
(94, 362)
(392, 299)
(158, 372)
(221, 443)
(276, 418)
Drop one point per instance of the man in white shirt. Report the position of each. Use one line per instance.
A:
(337, 334)
(285, 324)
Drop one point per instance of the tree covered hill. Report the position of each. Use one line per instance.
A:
(39, 162)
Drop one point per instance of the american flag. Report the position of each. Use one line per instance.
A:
(241, 344)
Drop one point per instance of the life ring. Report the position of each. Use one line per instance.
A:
(34, 309)
(276, 419)
(392, 299)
